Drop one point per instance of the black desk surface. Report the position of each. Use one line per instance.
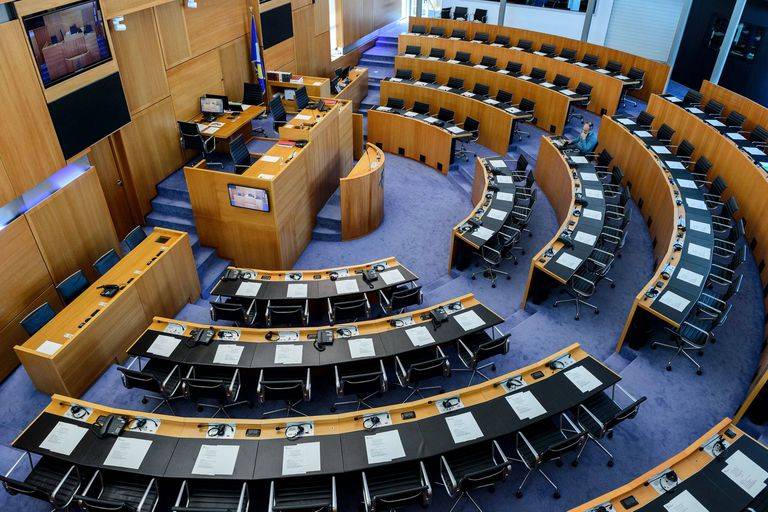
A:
(261, 354)
(262, 459)
(320, 288)
(688, 191)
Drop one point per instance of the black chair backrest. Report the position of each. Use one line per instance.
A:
(445, 114)
(35, 320)
(547, 48)
(427, 369)
(198, 389)
(759, 134)
(735, 119)
(692, 98)
(412, 49)
(481, 36)
(350, 310)
(636, 74)
(460, 13)
(626, 413)
(72, 286)
(685, 149)
(403, 74)
(718, 186)
(514, 68)
(280, 389)
(555, 451)
(190, 136)
(488, 61)
(617, 175)
(445, 13)
(463, 56)
(481, 89)
(702, 166)
(590, 59)
(471, 124)
(522, 163)
(252, 94)
(455, 83)
(227, 311)
(397, 103)
(362, 382)
(140, 380)
(502, 40)
(568, 53)
(494, 347)
(285, 314)
(538, 73)
(604, 158)
(527, 105)
(238, 151)
(665, 133)
(405, 297)
(437, 31)
(459, 33)
(134, 238)
(437, 53)
(645, 119)
(525, 44)
(503, 96)
(420, 108)
(613, 66)
(714, 108)
(561, 80)
(480, 15)
(584, 89)
(428, 77)
(731, 207)
(419, 29)
(277, 109)
(106, 261)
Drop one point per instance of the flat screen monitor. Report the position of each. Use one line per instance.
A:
(67, 40)
(211, 105)
(248, 198)
(224, 99)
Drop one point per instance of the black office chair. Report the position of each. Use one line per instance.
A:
(277, 110)
(665, 133)
(395, 103)
(548, 49)
(222, 386)
(192, 139)
(212, 496)
(106, 261)
(502, 40)
(463, 57)
(72, 286)
(637, 77)
(118, 491)
(134, 238)
(301, 97)
(290, 385)
(726, 248)
(445, 13)
(726, 274)
(35, 320)
(304, 494)
(460, 13)
(348, 308)
(253, 95)
(404, 74)
(428, 78)
(240, 313)
(548, 440)
(520, 216)
(445, 115)
(473, 467)
(514, 68)
(481, 90)
(287, 313)
(459, 33)
(157, 376)
(714, 108)
(561, 81)
(525, 44)
(412, 50)
(488, 62)
(437, 31)
(480, 15)
(590, 59)
(568, 54)
(712, 303)
(50, 479)
(396, 300)
(700, 170)
(692, 99)
(419, 29)
(759, 136)
(481, 37)
(490, 258)
(364, 379)
(477, 347)
(581, 286)
(438, 53)
(242, 159)
(527, 107)
(391, 486)
(645, 119)
(455, 83)
(614, 67)
(724, 223)
(538, 75)
(420, 108)
(584, 95)
(734, 121)
(503, 96)
(414, 367)
(685, 151)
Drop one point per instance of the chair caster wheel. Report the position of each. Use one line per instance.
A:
(144, 400)
(609, 435)
(698, 372)
(577, 318)
(515, 262)
(473, 278)
(554, 305)
(378, 395)
(333, 408)
(519, 494)
(613, 285)
(250, 405)
(701, 352)
(669, 368)
(493, 285)
(493, 367)
(575, 463)
(556, 495)
(653, 346)
(509, 277)
(597, 311)
(610, 463)
(441, 390)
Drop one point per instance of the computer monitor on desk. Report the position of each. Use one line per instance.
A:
(211, 108)
(224, 99)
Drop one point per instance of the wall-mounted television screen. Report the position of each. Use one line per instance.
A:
(67, 40)
(247, 197)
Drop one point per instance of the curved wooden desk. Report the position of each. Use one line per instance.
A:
(495, 124)
(656, 73)
(561, 177)
(362, 195)
(72, 350)
(755, 113)
(357, 87)
(677, 218)
(551, 105)
(339, 441)
(413, 136)
(700, 471)
(492, 209)
(606, 90)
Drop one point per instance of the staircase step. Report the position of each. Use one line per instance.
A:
(377, 60)
(194, 241)
(204, 258)
(617, 362)
(194, 313)
(174, 186)
(381, 51)
(171, 222)
(212, 275)
(168, 206)
(324, 234)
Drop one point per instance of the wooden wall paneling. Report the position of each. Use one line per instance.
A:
(73, 227)
(321, 56)
(214, 23)
(114, 8)
(7, 193)
(28, 143)
(281, 57)
(235, 67)
(102, 157)
(140, 57)
(194, 78)
(148, 151)
(357, 19)
(321, 17)
(385, 12)
(294, 214)
(346, 140)
(303, 39)
(174, 38)
(357, 136)
(755, 113)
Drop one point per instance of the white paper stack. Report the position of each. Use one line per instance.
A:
(63, 438)
(420, 336)
(384, 447)
(299, 459)
(582, 379)
(128, 452)
(469, 320)
(228, 354)
(297, 291)
(248, 289)
(361, 347)
(391, 277)
(288, 353)
(463, 427)
(526, 405)
(347, 286)
(745, 473)
(216, 459)
(569, 260)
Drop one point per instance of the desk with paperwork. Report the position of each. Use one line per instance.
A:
(230, 124)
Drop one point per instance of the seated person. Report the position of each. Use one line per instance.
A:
(587, 140)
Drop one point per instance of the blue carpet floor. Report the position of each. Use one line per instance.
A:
(421, 208)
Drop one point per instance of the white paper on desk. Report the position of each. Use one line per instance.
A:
(420, 84)
(408, 56)
(561, 59)
(524, 77)
(468, 94)
(585, 238)
(248, 289)
(513, 110)
(128, 452)
(297, 291)
(228, 354)
(48, 347)
(497, 164)
(579, 160)
(581, 64)
(163, 345)
(694, 110)
(662, 150)
(593, 192)
(569, 260)
(685, 502)
(592, 214)
(444, 88)
(568, 92)
(455, 129)
(503, 71)
(505, 196)
(303, 117)
(497, 214)
(603, 71)
(589, 176)
(696, 203)
(690, 277)
(211, 130)
(347, 286)
(420, 336)
(643, 134)
(384, 447)
(469, 320)
(463, 427)
(383, 108)
(391, 277)
(299, 459)
(622, 77)
(411, 114)
(433, 58)
(687, 183)
(216, 459)
(754, 151)
(361, 347)
(63, 438)
(547, 85)
(430, 120)
(264, 176)
(491, 101)
(452, 61)
(525, 405)
(395, 79)
(674, 99)
(674, 301)
(288, 353)
(701, 227)
(583, 379)
(504, 179)
(540, 54)
(715, 122)
(483, 233)
(625, 121)
(674, 164)
(699, 251)
(269, 159)
(745, 473)
(480, 66)
(736, 136)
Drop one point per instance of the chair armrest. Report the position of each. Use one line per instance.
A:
(308, 385)
(153, 482)
(530, 447)
(594, 418)
(384, 381)
(445, 470)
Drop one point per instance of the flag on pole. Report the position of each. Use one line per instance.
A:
(258, 64)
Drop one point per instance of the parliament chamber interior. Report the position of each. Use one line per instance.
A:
(378, 255)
